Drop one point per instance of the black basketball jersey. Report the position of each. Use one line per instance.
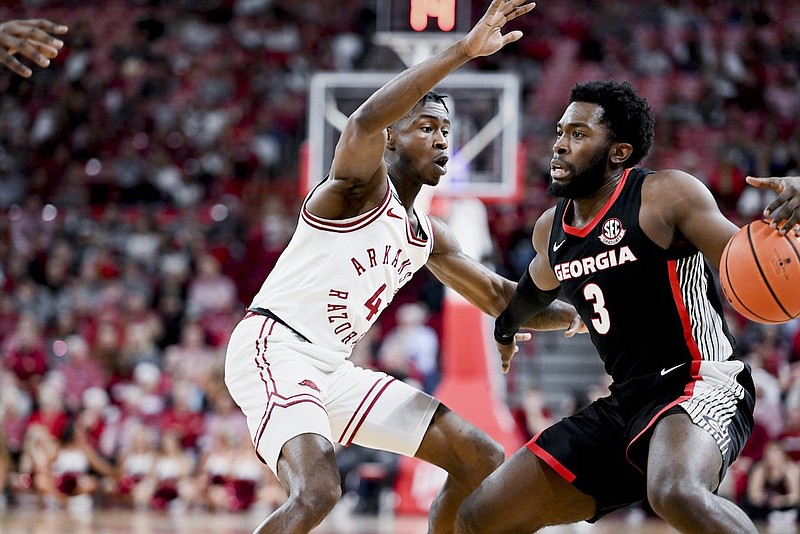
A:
(649, 311)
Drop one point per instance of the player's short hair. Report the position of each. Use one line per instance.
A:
(430, 96)
(626, 114)
(435, 97)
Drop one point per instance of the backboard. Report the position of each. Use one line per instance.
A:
(484, 112)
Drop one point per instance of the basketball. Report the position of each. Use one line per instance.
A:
(760, 273)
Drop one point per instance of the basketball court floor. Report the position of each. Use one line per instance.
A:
(38, 521)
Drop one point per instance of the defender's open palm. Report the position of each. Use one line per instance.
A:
(487, 37)
(31, 38)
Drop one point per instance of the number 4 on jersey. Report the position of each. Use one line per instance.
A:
(373, 303)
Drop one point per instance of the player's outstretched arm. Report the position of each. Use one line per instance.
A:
(785, 209)
(535, 293)
(359, 153)
(33, 39)
(487, 290)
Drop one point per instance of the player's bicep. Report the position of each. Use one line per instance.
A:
(474, 281)
(359, 151)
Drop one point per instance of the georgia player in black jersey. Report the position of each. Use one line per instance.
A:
(628, 247)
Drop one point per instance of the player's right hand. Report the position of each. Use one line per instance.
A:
(31, 38)
(507, 351)
(486, 37)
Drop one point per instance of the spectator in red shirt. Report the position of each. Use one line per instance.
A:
(25, 353)
(51, 412)
(183, 417)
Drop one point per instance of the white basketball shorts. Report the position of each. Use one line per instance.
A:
(283, 387)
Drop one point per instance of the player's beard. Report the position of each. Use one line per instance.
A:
(582, 183)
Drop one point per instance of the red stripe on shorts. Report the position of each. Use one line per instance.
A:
(559, 468)
(347, 442)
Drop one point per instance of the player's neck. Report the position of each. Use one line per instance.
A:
(585, 209)
(407, 190)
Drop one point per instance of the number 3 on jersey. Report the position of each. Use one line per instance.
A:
(601, 321)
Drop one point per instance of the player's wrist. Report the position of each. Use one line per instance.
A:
(501, 336)
(462, 48)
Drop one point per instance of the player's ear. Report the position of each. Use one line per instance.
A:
(620, 152)
(390, 138)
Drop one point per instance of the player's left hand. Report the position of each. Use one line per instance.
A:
(31, 38)
(507, 351)
(577, 326)
(784, 211)
(486, 37)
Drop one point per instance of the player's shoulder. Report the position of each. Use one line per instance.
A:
(668, 195)
(671, 182)
(671, 175)
(437, 224)
(542, 228)
(547, 217)
(443, 238)
(442, 230)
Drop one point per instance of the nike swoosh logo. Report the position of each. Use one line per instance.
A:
(557, 246)
(392, 214)
(666, 371)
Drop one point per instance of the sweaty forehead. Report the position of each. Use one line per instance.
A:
(586, 113)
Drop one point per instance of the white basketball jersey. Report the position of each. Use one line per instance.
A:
(335, 277)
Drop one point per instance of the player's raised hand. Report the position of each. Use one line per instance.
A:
(31, 38)
(785, 209)
(486, 37)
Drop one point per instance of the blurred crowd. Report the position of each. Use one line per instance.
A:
(149, 179)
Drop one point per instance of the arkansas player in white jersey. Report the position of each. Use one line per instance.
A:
(345, 272)
(359, 239)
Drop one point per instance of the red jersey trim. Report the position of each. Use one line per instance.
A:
(346, 225)
(683, 313)
(583, 232)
